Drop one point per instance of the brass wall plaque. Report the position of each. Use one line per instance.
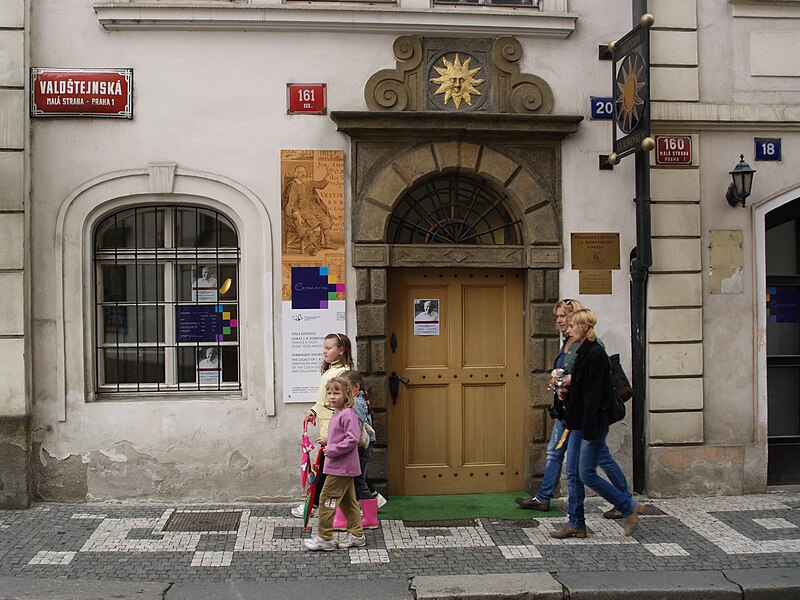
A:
(594, 282)
(595, 251)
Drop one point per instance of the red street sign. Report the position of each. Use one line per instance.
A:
(673, 150)
(82, 93)
(306, 98)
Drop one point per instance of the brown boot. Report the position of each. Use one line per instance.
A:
(568, 532)
(631, 521)
(533, 504)
(613, 513)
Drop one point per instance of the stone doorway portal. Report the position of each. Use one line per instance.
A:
(408, 140)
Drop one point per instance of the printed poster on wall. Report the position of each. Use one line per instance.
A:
(426, 316)
(312, 261)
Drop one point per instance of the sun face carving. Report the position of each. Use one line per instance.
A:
(457, 81)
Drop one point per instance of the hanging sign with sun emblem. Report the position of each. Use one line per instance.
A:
(631, 91)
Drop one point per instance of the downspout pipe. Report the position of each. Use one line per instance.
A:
(639, 269)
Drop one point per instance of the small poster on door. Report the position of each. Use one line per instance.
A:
(426, 316)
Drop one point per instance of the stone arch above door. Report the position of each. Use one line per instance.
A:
(533, 192)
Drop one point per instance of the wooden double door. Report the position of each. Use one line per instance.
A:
(456, 419)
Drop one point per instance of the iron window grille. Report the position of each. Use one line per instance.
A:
(454, 209)
(166, 301)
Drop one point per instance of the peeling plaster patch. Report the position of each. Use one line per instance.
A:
(114, 455)
(59, 479)
(238, 461)
(123, 472)
(715, 470)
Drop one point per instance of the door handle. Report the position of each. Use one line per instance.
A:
(394, 385)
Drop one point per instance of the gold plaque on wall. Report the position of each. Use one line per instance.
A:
(595, 251)
(594, 282)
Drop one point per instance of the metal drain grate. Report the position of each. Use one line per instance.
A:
(650, 510)
(203, 521)
(450, 523)
(524, 523)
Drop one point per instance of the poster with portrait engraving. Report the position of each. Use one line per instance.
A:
(312, 261)
(209, 365)
(426, 316)
(312, 212)
(204, 283)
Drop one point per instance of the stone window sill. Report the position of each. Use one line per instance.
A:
(335, 17)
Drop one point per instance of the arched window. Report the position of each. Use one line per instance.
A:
(454, 209)
(166, 300)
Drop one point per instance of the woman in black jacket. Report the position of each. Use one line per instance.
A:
(586, 419)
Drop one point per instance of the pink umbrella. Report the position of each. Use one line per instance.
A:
(305, 462)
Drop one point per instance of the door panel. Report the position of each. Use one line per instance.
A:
(484, 415)
(484, 331)
(457, 424)
(427, 406)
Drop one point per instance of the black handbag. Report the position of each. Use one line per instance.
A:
(619, 381)
(614, 407)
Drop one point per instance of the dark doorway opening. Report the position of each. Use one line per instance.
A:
(783, 343)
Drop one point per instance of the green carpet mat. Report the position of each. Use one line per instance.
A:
(461, 506)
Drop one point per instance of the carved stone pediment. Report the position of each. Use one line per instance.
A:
(458, 75)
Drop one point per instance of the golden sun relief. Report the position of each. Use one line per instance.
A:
(457, 81)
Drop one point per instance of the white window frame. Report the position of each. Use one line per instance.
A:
(170, 258)
(165, 184)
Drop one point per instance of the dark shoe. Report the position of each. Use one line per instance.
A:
(568, 532)
(613, 513)
(631, 521)
(533, 504)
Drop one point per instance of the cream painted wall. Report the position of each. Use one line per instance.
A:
(214, 102)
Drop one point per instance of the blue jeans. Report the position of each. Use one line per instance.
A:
(583, 458)
(555, 460)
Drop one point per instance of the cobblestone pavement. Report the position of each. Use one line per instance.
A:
(261, 543)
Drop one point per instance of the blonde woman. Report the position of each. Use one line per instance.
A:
(587, 396)
(557, 447)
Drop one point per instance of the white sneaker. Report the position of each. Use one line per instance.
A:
(381, 500)
(317, 543)
(351, 541)
(298, 511)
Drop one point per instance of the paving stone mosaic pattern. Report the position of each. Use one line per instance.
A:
(120, 542)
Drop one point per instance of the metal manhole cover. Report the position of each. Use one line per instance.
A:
(203, 521)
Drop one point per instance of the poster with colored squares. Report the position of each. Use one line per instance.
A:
(313, 289)
(782, 304)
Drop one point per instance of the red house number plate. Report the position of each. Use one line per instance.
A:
(308, 98)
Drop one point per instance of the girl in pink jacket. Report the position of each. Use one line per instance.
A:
(341, 467)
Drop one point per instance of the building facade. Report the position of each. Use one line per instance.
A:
(148, 258)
